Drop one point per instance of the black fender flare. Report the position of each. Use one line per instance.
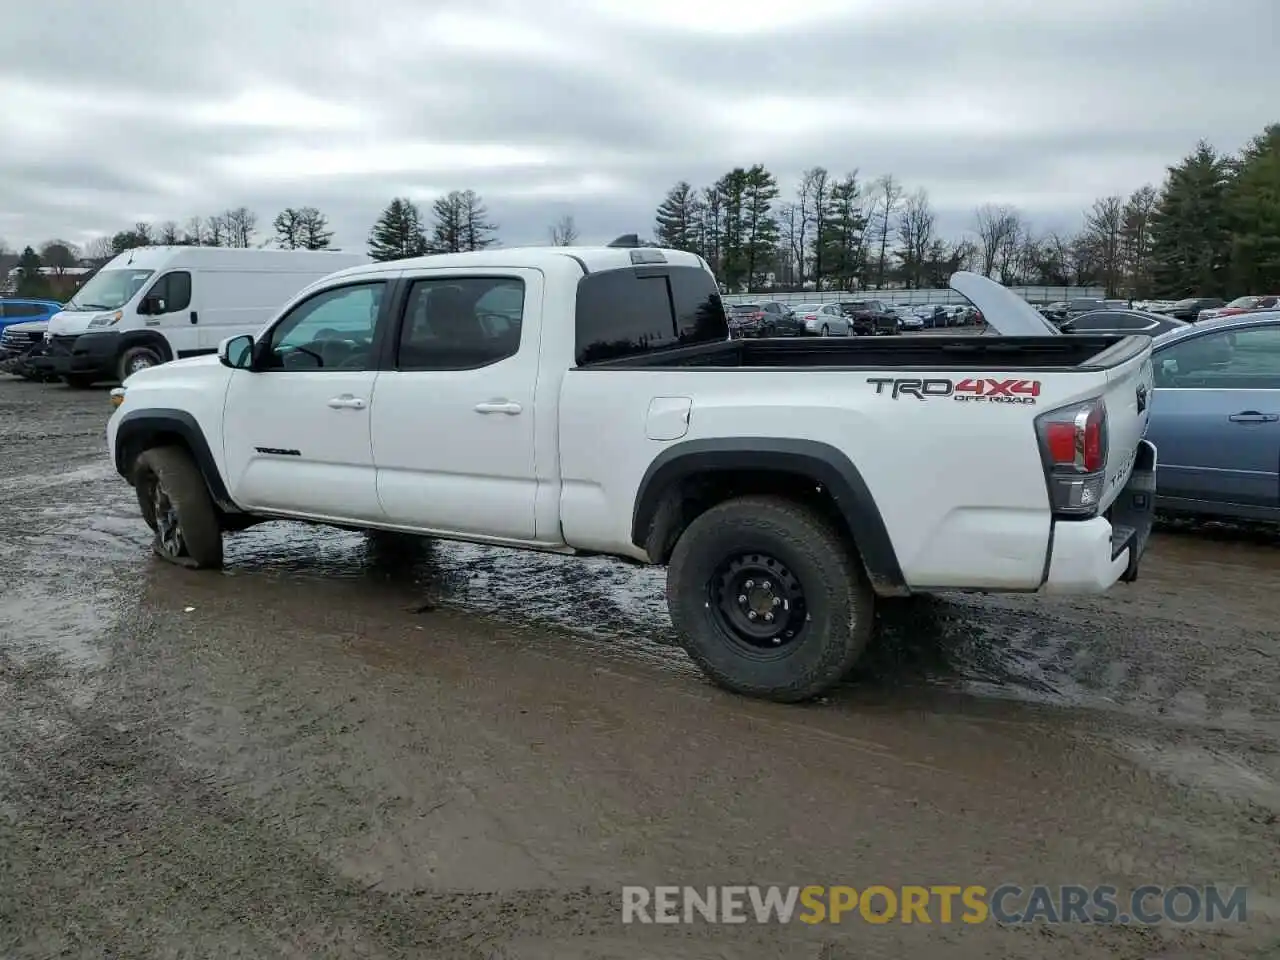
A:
(824, 464)
(139, 427)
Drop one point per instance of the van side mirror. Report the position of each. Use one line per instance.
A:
(151, 306)
(236, 352)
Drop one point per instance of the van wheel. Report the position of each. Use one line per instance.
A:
(769, 599)
(176, 504)
(135, 359)
(79, 381)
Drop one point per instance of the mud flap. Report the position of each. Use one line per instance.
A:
(1133, 513)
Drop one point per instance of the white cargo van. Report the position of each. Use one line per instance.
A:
(154, 304)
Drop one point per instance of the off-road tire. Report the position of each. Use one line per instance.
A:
(127, 359)
(839, 601)
(199, 542)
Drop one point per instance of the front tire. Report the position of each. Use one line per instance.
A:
(768, 599)
(176, 505)
(135, 359)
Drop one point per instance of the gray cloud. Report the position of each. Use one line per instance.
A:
(134, 110)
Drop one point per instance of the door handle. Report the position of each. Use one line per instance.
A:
(1253, 416)
(499, 406)
(347, 402)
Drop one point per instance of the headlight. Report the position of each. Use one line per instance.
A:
(117, 397)
(106, 320)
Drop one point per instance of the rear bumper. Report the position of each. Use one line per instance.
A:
(1090, 556)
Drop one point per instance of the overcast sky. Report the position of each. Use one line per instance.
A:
(125, 110)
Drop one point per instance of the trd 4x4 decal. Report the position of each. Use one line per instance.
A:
(968, 390)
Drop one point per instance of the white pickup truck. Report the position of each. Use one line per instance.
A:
(590, 401)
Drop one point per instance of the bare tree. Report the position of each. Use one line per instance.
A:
(215, 231)
(816, 209)
(790, 246)
(240, 224)
(193, 232)
(59, 256)
(564, 232)
(168, 234)
(916, 234)
(1104, 228)
(998, 229)
(886, 195)
(99, 250)
(794, 221)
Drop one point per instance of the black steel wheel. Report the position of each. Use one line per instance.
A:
(769, 598)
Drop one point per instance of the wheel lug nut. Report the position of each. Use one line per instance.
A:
(750, 584)
(742, 599)
(751, 614)
(777, 601)
(766, 585)
(768, 618)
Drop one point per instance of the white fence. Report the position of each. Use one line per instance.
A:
(914, 297)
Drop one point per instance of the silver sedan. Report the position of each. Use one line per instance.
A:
(823, 319)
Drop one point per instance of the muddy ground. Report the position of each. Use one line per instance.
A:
(326, 751)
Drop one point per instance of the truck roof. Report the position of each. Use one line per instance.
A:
(590, 259)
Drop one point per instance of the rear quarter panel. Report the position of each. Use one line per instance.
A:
(958, 483)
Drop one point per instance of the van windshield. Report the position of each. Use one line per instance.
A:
(108, 290)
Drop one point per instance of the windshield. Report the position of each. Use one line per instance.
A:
(808, 307)
(108, 290)
(746, 307)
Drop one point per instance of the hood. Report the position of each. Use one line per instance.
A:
(1005, 312)
(28, 326)
(71, 322)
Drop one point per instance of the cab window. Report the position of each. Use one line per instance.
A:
(331, 330)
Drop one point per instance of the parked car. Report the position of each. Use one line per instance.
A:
(16, 310)
(1190, 308)
(1215, 416)
(869, 318)
(777, 480)
(1241, 305)
(767, 318)
(1121, 322)
(154, 304)
(1064, 310)
(823, 320)
(19, 344)
(910, 321)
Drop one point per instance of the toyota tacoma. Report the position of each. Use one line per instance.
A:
(591, 401)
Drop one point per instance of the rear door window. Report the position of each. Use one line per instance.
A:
(632, 311)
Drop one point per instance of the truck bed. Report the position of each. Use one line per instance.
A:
(923, 353)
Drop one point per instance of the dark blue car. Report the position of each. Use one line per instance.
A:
(14, 310)
(1215, 417)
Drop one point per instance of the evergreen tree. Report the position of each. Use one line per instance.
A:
(478, 232)
(397, 234)
(759, 225)
(1189, 240)
(32, 282)
(731, 192)
(1254, 216)
(678, 219)
(844, 238)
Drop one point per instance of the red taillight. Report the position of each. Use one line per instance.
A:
(811, 316)
(1074, 449)
(758, 316)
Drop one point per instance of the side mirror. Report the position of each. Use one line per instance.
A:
(236, 352)
(151, 306)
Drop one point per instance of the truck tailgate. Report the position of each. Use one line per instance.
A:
(1127, 398)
